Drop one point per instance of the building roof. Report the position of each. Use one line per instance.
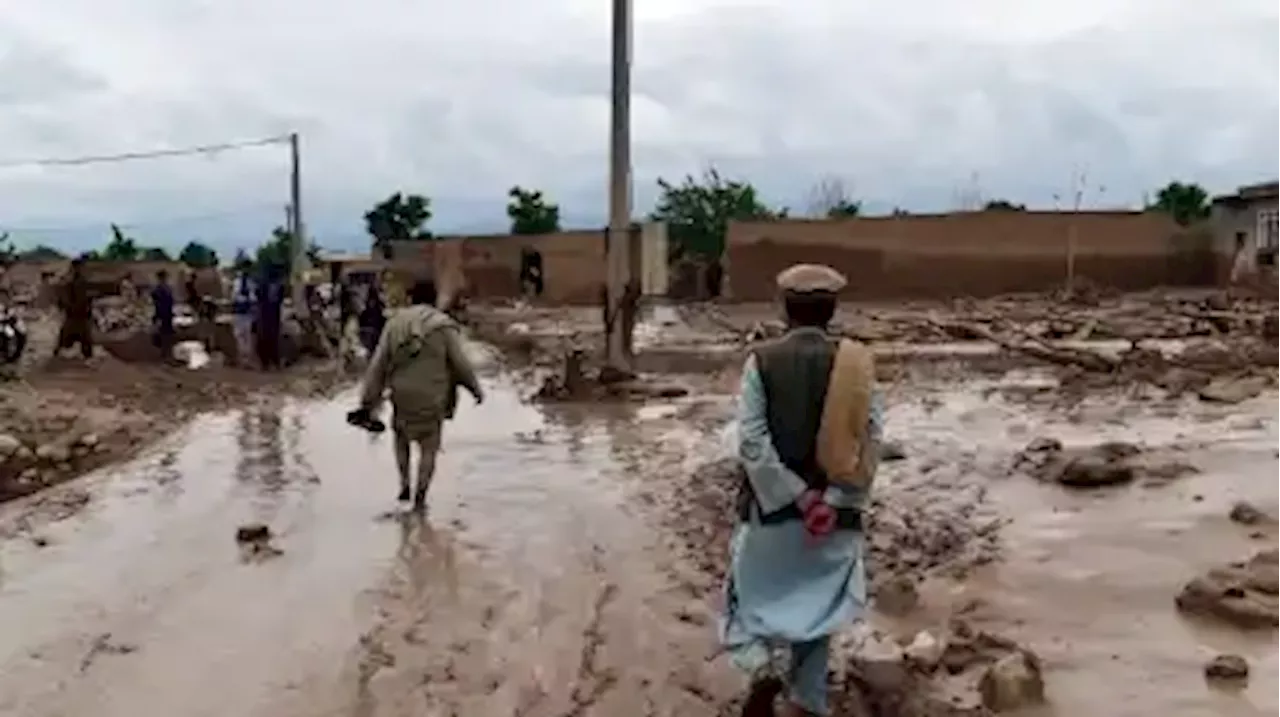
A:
(1250, 193)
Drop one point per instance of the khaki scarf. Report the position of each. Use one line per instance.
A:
(845, 451)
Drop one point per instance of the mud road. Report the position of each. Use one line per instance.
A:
(530, 588)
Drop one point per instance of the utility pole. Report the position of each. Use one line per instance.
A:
(299, 258)
(618, 235)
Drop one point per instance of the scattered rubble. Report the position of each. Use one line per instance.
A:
(1227, 667)
(255, 544)
(1105, 464)
(1242, 593)
(948, 671)
(1246, 513)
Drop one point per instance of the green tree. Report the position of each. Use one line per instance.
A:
(1003, 205)
(698, 211)
(1186, 203)
(8, 254)
(399, 217)
(530, 213)
(899, 212)
(155, 253)
(278, 250)
(830, 199)
(41, 252)
(198, 255)
(120, 248)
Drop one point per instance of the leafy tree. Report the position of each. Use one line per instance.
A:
(1002, 205)
(198, 255)
(7, 253)
(279, 250)
(41, 252)
(530, 213)
(155, 253)
(831, 200)
(399, 217)
(1186, 203)
(120, 248)
(899, 212)
(698, 211)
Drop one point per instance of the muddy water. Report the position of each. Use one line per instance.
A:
(1088, 578)
(530, 588)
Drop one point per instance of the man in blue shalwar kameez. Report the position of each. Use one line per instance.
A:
(797, 571)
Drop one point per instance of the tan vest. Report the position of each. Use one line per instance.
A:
(844, 450)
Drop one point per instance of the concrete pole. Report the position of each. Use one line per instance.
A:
(299, 257)
(618, 239)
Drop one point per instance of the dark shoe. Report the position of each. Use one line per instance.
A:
(761, 697)
(404, 494)
(420, 501)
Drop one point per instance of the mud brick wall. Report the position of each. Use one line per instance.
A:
(489, 265)
(969, 254)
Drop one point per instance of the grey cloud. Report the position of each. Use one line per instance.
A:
(907, 102)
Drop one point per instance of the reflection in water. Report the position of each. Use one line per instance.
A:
(261, 459)
(426, 556)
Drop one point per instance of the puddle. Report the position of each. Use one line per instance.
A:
(526, 586)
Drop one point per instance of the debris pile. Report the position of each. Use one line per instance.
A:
(948, 671)
(1105, 464)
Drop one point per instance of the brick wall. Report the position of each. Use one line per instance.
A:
(970, 254)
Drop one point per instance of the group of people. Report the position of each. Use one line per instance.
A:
(257, 306)
(810, 422)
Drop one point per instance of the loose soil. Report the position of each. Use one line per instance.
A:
(570, 562)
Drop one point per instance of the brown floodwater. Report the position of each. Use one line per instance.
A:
(531, 587)
(1088, 578)
(537, 584)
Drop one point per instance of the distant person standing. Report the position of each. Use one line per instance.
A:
(242, 305)
(76, 302)
(270, 311)
(373, 317)
(164, 334)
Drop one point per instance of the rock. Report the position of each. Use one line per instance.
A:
(253, 533)
(880, 663)
(925, 650)
(1243, 594)
(29, 476)
(891, 451)
(1233, 390)
(88, 440)
(1013, 682)
(1246, 513)
(53, 453)
(896, 596)
(9, 445)
(1091, 471)
(1227, 667)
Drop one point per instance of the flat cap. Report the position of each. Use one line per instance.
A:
(811, 278)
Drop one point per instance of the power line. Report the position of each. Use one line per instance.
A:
(141, 223)
(152, 154)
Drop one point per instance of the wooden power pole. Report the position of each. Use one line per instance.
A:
(618, 236)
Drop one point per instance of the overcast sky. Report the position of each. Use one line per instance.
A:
(908, 102)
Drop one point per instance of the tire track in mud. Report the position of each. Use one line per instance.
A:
(604, 633)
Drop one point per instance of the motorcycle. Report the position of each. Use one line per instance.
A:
(13, 336)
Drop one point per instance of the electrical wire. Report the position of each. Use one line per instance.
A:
(141, 223)
(152, 154)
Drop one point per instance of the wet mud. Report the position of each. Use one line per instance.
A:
(570, 559)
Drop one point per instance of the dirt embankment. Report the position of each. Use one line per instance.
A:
(63, 416)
